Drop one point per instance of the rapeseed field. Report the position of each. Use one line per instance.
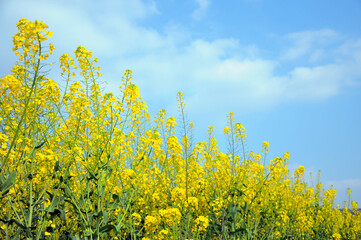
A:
(77, 163)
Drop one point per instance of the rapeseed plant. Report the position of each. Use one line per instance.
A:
(79, 164)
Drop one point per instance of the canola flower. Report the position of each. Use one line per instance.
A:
(80, 164)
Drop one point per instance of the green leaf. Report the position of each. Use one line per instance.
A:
(57, 166)
(105, 216)
(8, 183)
(98, 215)
(241, 230)
(107, 228)
(54, 203)
(116, 197)
(240, 192)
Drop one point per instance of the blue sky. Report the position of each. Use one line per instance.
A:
(289, 70)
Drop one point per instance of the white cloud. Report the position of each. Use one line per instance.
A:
(350, 48)
(309, 42)
(101, 26)
(200, 12)
(212, 74)
(315, 83)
